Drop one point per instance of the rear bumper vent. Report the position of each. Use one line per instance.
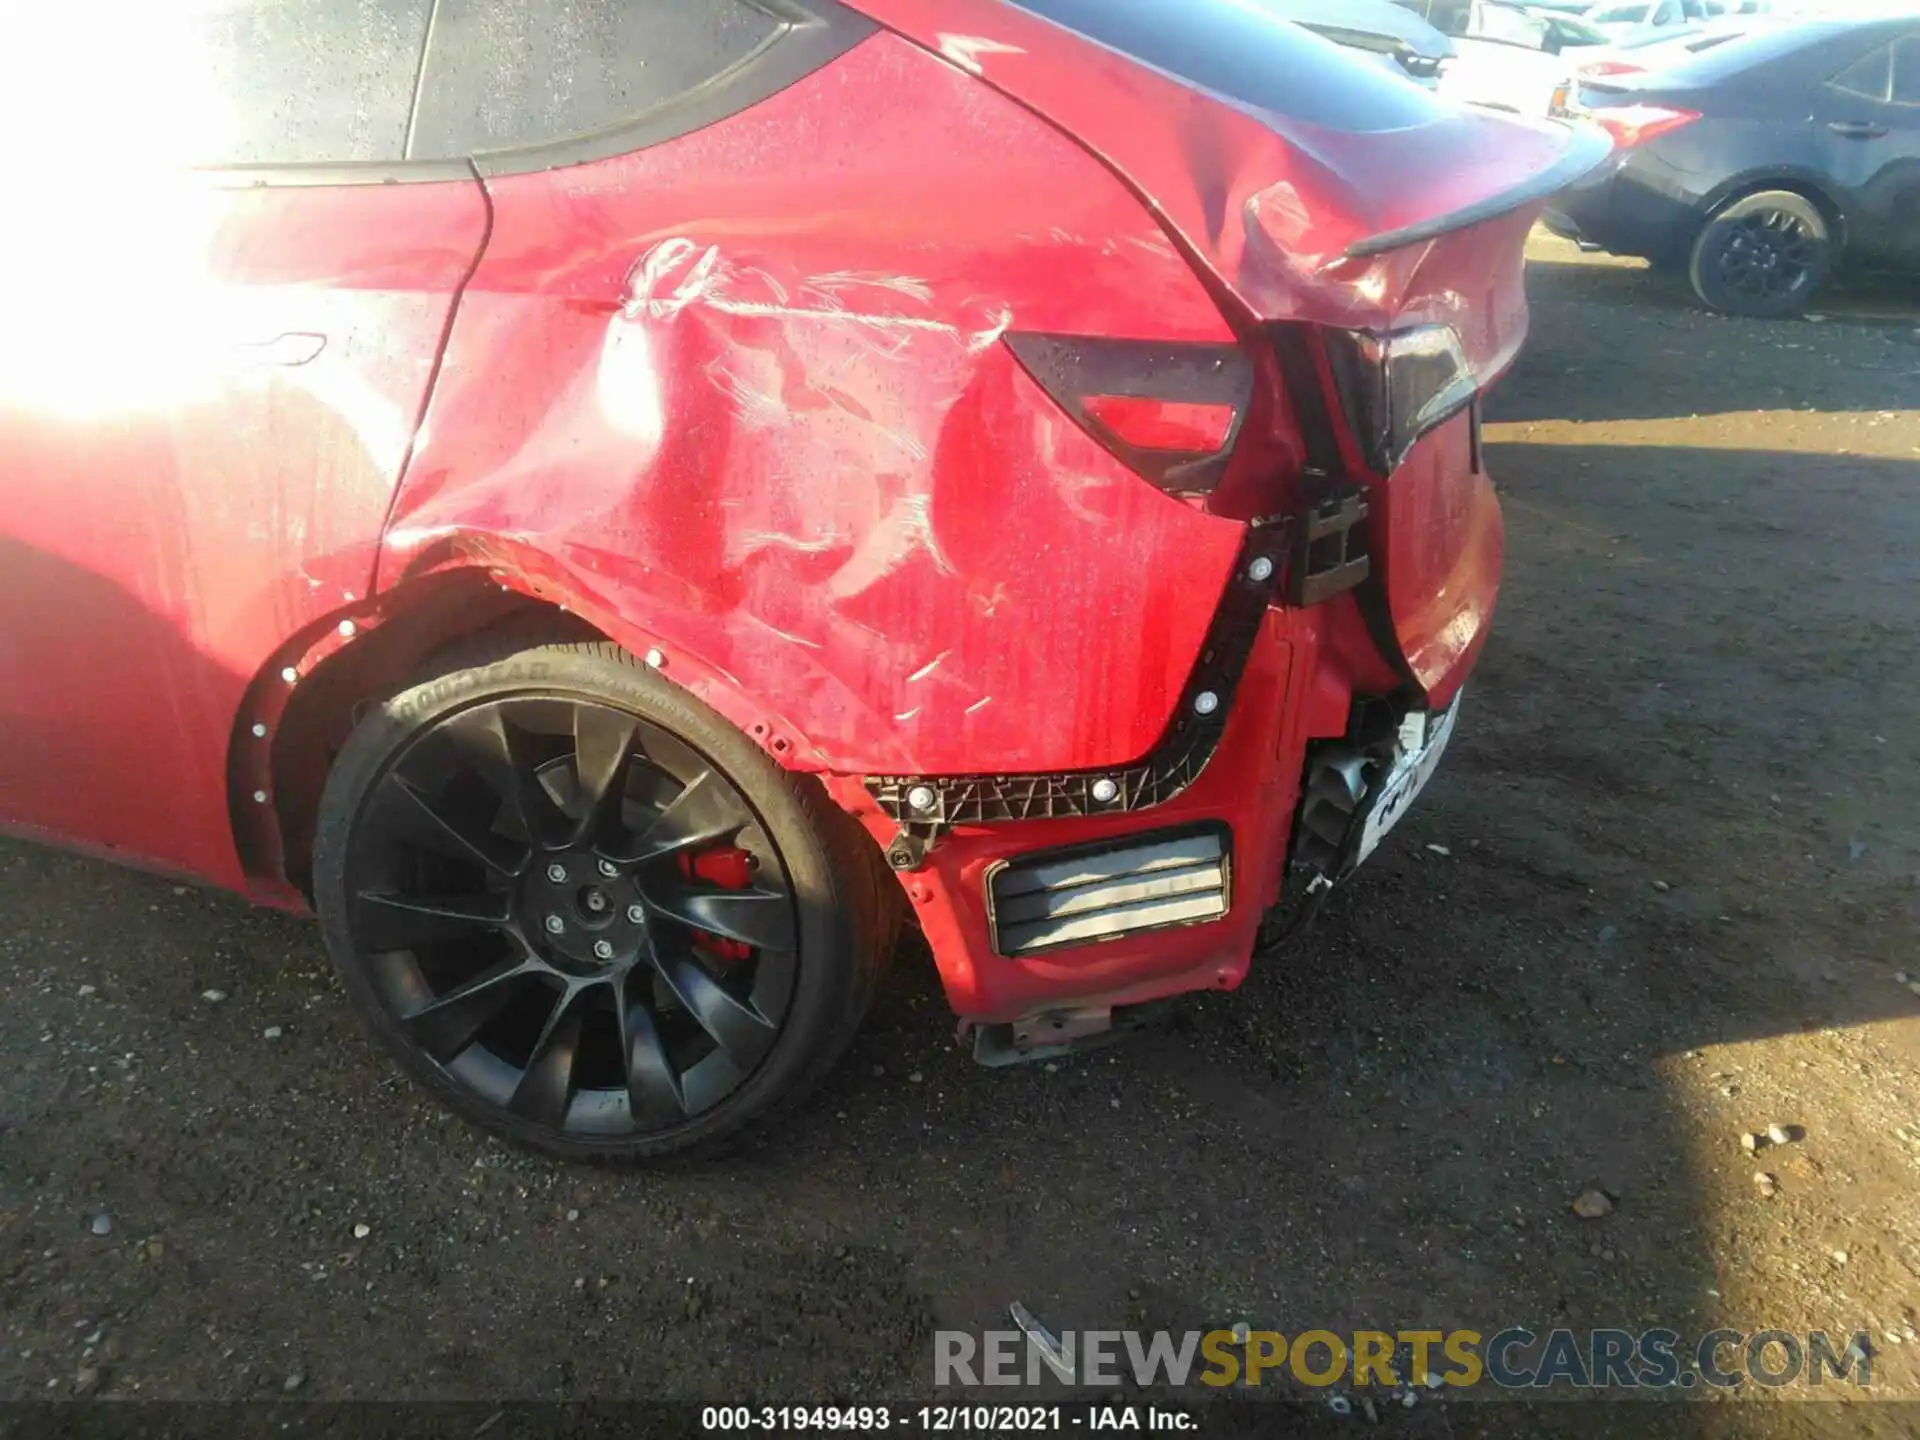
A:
(1093, 893)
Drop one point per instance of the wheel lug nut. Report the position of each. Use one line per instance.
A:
(637, 914)
(609, 869)
(555, 925)
(557, 873)
(603, 950)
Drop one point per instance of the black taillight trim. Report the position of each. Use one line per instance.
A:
(1399, 387)
(1072, 368)
(1328, 488)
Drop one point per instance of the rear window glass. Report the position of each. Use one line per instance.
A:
(1246, 51)
(505, 74)
(1515, 27)
(1570, 31)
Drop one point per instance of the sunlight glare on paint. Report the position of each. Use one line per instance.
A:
(103, 278)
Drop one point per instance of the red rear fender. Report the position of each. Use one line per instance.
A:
(745, 393)
(1361, 231)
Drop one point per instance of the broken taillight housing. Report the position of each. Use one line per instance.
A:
(1171, 412)
(1632, 125)
(1396, 387)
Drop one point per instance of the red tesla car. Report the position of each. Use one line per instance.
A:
(612, 505)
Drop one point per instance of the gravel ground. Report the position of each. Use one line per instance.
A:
(1663, 893)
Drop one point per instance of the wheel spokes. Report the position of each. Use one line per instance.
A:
(400, 922)
(446, 1025)
(468, 836)
(760, 918)
(546, 1088)
(704, 813)
(655, 1095)
(1769, 255)
(502, 754)
(546, 998)
(736, 1026)
(603, 748)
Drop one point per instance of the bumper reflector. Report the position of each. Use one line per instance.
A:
(1089, 894)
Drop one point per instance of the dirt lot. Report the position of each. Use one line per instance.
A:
(1659, 896)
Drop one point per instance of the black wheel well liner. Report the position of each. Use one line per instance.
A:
(419, 622)
(424, 623)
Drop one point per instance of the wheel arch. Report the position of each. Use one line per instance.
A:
(305, 701)
(1804, 183)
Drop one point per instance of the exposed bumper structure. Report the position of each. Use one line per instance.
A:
(1059, 898)
(925, 808)
(1016, 933)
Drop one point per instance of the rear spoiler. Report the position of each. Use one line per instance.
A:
(1588, 147)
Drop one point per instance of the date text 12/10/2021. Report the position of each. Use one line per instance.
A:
(945, 1419)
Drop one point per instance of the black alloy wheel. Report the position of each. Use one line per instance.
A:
(565, 912)
(1764, 256)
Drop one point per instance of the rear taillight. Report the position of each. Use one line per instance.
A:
(1632, 125)
(1396, 387)
(1610, 67)
(1171, 412)
(1169, 427)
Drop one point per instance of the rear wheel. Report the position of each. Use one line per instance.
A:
(1765, 255)
(585, 911)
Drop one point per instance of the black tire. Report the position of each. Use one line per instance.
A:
(443, 826)
(1764, 256)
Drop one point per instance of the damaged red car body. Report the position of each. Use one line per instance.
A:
(1011, 463)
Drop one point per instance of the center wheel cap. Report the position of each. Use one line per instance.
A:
(583, 920)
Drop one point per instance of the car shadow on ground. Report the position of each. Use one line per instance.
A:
(1616, 327)
(1862, 298)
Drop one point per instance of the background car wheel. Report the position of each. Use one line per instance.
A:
(587, 912)
(1765, 255)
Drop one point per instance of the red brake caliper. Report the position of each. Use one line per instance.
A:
(730, 868)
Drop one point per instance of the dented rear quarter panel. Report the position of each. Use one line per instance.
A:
(1356, 229)
(741, 397)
